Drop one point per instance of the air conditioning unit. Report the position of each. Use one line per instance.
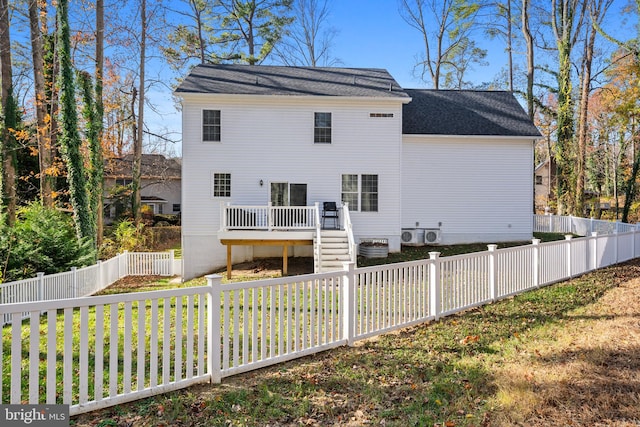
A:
(412, 237)
(432, 236)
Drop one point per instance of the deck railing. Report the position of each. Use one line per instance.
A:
(96, 352)
(237, 217)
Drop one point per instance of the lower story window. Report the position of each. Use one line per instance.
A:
(221, 185)
(369, 193)
(360, 192)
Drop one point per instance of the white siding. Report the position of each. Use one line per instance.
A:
(271, 139)
(473, 189)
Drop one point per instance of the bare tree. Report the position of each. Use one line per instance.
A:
(597, 10)
(96, 151)
(528, 38)
(138, 123)
(445, 26)
(309, 40)
(502, 26)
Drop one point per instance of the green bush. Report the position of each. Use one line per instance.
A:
(42, 240)
(125, 236)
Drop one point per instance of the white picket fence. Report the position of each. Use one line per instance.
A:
(79, 282)
(579, 226)
(94, 352)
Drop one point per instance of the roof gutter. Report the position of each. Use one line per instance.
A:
(196, 95)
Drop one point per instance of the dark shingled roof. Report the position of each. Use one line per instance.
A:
(239, 79)
(465, 112)
(152, 166)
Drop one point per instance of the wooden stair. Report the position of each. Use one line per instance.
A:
(334, 251)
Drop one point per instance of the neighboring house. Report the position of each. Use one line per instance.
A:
(264, 144)
(543, 179)
(160, 186)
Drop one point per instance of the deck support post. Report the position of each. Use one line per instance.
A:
(285, 259)
(228, 261)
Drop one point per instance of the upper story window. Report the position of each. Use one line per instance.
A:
(221, 185)
(538, 179)
(124, 181)
(322, 128)
(211, 125)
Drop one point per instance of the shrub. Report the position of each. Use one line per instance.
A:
(126, 236)
(42, 240)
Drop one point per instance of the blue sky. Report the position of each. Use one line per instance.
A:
(371, 33)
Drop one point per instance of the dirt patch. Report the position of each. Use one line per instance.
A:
(269, 267)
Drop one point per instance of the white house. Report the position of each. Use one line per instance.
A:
(265, 146)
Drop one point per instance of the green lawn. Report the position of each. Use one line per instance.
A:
(443, 373)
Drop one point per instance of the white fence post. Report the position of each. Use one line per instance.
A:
(434, 285)
(126, 264)
(536, 262)
(101, 280)
(40, 286)
(74, 281)
(172, 257)
(593, 248)
(214, 281)
(615, 245)
(568, 238)
(492, 272)
(348, 302)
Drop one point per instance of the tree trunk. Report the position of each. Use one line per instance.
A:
(509, 45)
(583, 121)
(99, 105)
(42, 130)
(7, 142)
(630, 188)
(70, 138)
(526, 31)
(139, 131)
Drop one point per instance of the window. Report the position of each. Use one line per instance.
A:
(124, 181)
(538, 179)
(350, 191)
(211, 125)
(380, 114)
(322, 128)
(176, 207)
(369, 193)
(361, 192)
(221, 185)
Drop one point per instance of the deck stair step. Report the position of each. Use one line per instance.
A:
(334, 251)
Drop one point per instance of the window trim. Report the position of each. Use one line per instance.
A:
(359, 192)
(317, 139)
(227, 186)
(203, 125)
